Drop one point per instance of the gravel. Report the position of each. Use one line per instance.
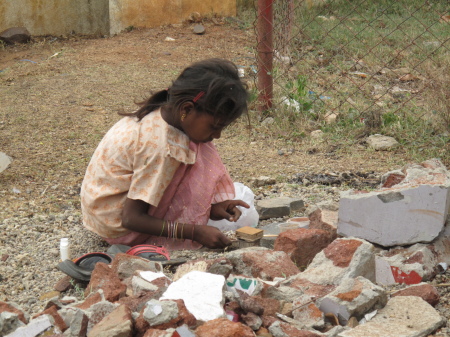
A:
(29, 250)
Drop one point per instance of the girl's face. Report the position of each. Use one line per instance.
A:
(201, 127)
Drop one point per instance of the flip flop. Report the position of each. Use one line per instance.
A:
(117, 248)
(78, 273)
(81, 268)
(89, 260)
(150, 252)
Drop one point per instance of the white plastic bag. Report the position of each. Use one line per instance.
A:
(249, 217)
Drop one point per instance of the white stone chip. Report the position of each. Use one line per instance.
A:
(201, 292)
(4, 161)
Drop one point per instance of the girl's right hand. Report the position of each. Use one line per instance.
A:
(211, 237)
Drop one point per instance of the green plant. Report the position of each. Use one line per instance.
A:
(78, 289)
(298, 92)
(389, 118)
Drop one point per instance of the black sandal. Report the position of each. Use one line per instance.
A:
(81, 268)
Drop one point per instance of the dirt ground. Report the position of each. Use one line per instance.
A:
(60, 95)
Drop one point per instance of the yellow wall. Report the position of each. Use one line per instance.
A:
(151, 13)
(102, 17)
(56, 17)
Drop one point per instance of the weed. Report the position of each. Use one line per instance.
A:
(78, 289)
(299, 94)
(355, 61)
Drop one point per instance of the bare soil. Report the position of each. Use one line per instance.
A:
(60, 95)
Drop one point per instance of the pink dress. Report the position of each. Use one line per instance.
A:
(154, 162)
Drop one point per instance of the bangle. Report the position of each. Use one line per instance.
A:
(162, 230)
(181, 234)
(175, 236)
(171, 229)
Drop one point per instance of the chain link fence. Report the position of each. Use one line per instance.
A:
(372, 61)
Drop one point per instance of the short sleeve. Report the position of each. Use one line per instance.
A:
(158, 154)
(151, 176)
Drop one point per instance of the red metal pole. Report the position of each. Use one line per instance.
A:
(265, 54)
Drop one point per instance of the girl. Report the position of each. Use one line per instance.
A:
(156, 177)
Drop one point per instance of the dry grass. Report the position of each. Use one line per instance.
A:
(55, 110)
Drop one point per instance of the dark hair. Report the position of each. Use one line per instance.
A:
(224, 95)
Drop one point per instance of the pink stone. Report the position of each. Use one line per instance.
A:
(292, 331)
(267, 266)
(352, 294)
(103, 277)
(90, 300)
(158, 333)
(59, 321)
(223, 327)
(5, 307)
(251, 304)
(309, 288)
(341, 251)
(119, 319)
(317, 221)
(302, 244)
(393, 179)
(426, 291)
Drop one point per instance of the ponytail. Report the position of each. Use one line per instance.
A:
(155, 101)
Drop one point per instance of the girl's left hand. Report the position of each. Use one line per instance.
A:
(227, 210)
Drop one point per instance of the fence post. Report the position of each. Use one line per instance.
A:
(265, 54)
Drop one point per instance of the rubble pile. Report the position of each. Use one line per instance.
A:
(326, 280)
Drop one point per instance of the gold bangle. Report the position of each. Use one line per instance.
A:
(176, 230)
(162, 230)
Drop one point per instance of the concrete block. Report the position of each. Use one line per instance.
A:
(9, 322)
(410, 265)
(302, 244)
(395, 217)
(402, 316)
(98, 311)
(278, 207)
(411, 207)
(343, 258)
(423, 290)
(77, 321)
(160, 312)
(33, 328)
(261, 262)
(117, 323)
(140, 286)
(353, 297)
(218, 326)
(306, 312)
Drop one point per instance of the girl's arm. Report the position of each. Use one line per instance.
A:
(136, 218)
